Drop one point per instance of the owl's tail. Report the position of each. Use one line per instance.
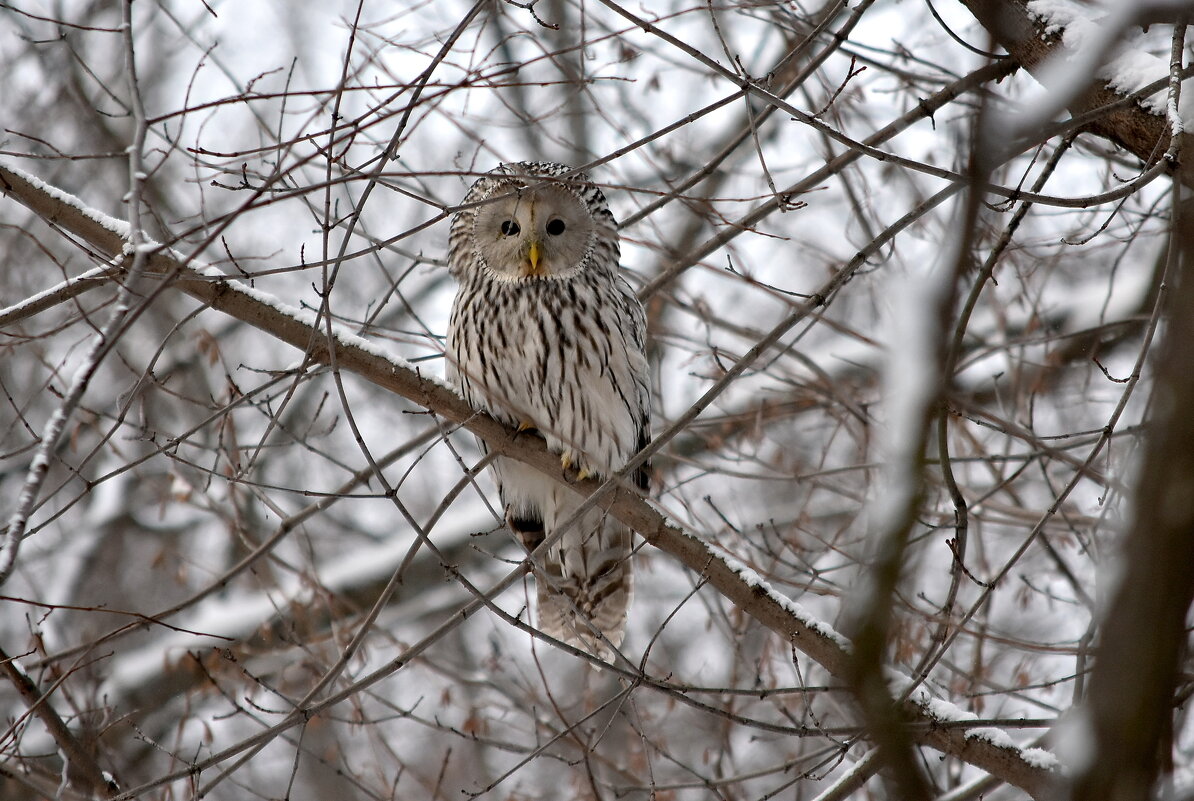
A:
(586, 582)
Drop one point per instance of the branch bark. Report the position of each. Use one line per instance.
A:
(731, 580)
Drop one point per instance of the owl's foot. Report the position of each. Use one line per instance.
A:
(568, 459)
(525, 425)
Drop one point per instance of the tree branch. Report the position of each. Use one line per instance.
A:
(1026, 38)
(84, 772)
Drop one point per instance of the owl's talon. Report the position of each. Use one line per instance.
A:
(568, 459)
(525, 425)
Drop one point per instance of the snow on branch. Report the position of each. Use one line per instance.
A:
(1064, 43)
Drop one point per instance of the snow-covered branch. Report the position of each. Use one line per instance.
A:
(1071, 48)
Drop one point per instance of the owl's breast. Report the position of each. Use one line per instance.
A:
(556, 355)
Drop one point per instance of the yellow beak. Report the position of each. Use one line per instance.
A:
(533, 257)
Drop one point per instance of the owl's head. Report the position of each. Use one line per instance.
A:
(530, 224)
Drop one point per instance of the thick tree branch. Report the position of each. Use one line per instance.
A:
(1144, 134)
(736, 583)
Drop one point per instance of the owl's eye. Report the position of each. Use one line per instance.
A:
(509, 227)
(556, 227)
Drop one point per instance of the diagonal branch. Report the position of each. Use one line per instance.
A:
(737, 583)
(81, 764)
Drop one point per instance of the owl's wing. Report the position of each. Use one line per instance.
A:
(637, 336)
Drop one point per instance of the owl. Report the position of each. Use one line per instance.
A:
(545, 334)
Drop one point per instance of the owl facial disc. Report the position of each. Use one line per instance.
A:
(544, 232)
